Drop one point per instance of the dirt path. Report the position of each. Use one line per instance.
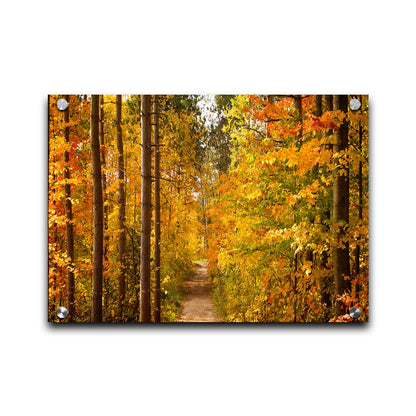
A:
(197, 304)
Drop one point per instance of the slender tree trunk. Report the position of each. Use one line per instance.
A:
(299, 109)
(157, 206)
(328, 103)
(104, 180)
(97, 276)
(341, 207)
(121, 212)
(69, 223)
(318, 105)
(146, 206)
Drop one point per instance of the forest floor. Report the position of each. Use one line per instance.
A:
(197, 303)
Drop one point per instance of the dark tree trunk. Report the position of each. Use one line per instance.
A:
(328, 103)
(328, 106)
(146, 207)
(97, 276)
(341, 207)
(157, 207)
(318, 105)
(121, 212)
(299, 109)
(69, 223)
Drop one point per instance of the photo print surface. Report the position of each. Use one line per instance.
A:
(208, 209)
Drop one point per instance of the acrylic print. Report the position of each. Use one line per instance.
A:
(208, 208)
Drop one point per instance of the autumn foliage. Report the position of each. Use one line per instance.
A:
(246, 181)
(179, 207)
(271, 234)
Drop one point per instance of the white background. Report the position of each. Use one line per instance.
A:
(206, 47)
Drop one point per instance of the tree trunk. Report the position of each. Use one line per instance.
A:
(104, 180)
(341, 207)
(97, 276)
(318, 105)
(328, 103)
(121, 212)
(69, 223)
(328, 106)
(157, 207)
(299, 109)
(146, 207)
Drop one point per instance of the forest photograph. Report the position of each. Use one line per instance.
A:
(208, 208)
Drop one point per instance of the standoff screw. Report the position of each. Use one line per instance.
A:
(62, 104)
(355, 104)
(355, 313)
(62, 312)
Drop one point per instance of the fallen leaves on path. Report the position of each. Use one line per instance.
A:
(197, 304)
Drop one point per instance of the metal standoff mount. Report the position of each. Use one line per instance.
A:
(62, 312)
(355, 104)
(355, 312)
(62, 104)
